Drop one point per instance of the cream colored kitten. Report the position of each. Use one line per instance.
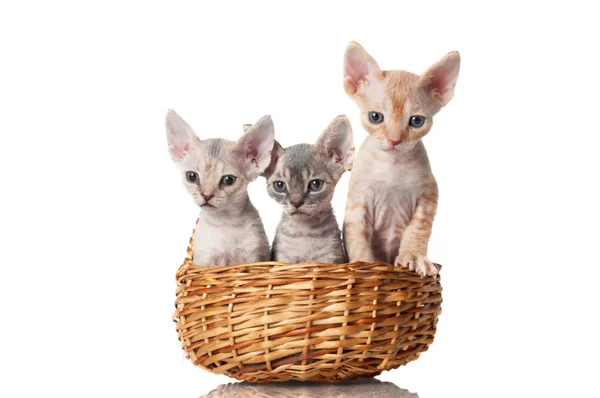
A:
(216, 172)
(392, 196)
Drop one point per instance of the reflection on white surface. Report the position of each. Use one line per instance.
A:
(361, 388)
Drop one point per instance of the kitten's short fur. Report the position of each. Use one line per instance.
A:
(392, 196)
(308, 230)
(216, 172)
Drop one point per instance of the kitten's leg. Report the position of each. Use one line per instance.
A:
(220, 259)
(413, 247)
(334, 258)
(256, 255)
(358, 232)
(274, 249)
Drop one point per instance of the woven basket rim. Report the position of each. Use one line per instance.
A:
(274, 266)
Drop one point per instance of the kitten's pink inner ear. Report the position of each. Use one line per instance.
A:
(252, 155)
(359, 66)
(440, 79)
(180, 135)
(179, 152)
(355, 71)
(337, 142)
(255, 146)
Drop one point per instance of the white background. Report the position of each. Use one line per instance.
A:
(94, 221)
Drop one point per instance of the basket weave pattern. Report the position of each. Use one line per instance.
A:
(273, 322)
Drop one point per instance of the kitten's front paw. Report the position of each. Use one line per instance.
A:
(416, 262)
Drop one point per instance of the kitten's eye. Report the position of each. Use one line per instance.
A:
(315, 185)
(279, 186)
(191, 176)
(228, 180)
(375, 117)
(417, 121)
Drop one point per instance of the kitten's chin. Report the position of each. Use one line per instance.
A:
(206, 206)
(401, 148)
(298, 214)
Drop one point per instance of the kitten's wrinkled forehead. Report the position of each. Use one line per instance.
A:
(298, 158)
(215, 146)
(302, 161)
(215, 155)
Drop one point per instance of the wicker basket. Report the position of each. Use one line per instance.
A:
(273, 322)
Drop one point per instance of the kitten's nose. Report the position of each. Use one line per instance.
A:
(207, 197)
(297, 204)
(394, 142)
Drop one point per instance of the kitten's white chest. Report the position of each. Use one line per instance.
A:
(211, 242)
(221, 245)
(392, 209)
(389, 192)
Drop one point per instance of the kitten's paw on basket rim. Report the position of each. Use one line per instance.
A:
(416, 262)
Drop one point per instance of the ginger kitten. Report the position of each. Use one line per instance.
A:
(216, 172)
(302, 179)
(392, 195)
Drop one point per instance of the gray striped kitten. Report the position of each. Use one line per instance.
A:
(302, 178)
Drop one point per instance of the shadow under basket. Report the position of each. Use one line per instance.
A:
(272, 322)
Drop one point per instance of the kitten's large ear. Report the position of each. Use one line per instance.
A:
(276, 153)
(440, 79)
(337, 142)
(359, 68)
(180, 136)
(253, 149)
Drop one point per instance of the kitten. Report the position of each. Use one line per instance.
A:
(392, 196)
(302, 179)
(216, 172)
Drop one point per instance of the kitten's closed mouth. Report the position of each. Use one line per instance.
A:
(299, 212)
(207, 205)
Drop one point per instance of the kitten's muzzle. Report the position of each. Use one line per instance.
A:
(207, 198)
(297, 204)
(394, 143)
